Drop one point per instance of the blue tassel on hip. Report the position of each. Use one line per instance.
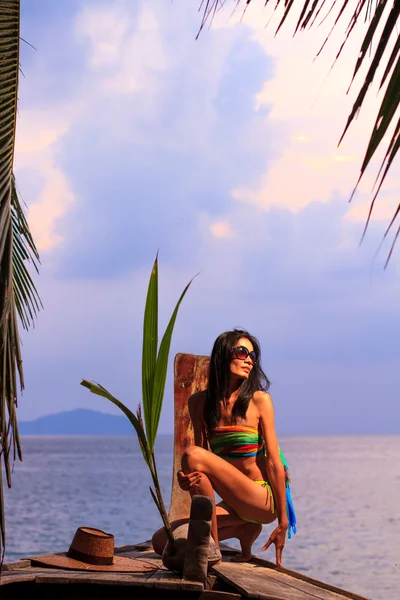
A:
(290, 513)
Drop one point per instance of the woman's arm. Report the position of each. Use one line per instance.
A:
(275, 472)
(274, 466)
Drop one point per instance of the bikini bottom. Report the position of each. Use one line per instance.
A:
(267, 486)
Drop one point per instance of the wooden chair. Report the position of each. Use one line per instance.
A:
(190, 376)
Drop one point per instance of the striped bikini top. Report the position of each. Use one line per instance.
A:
(236, 441)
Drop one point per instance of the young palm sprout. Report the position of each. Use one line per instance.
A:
(154, 372)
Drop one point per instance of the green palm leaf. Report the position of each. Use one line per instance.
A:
(154, 372)
(310, 16)
(149, 349)
(98, 389)
(18, 295)
(27, 299)
(161, 369)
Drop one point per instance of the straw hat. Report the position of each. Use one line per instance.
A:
(92, 550)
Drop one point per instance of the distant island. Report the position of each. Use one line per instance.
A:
(78, 422)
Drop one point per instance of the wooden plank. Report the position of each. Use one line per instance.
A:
(253, 581)
(54, 577)
(218, 595)
(262, 583)
(29, 574)
(301, 577)
(50, 575)
(190, 376)
(313, 590)
(127, 548)
(142, 546)
(116, 579)
(19, 564)
(163, 579)
(147, 556)
(63, 576)
(16, 577)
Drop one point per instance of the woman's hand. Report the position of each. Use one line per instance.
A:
(186, 482)
(277, 537)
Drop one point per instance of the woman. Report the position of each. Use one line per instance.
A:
(236, 452)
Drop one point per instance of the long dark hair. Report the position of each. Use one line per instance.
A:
(219, 376)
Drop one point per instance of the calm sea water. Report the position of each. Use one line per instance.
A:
(346, 492)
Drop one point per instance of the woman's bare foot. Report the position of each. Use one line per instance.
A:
(247, 535)
(241, 558)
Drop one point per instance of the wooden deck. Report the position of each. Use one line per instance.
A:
(260, 579)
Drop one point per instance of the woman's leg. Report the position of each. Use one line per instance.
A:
(246, 533)
(204, 488)
(247, 498)
(230, 525)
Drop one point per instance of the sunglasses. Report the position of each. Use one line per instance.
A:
(242, 353)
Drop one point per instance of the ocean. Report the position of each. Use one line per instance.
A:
(346, 492)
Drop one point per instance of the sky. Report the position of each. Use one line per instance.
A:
(222, 154)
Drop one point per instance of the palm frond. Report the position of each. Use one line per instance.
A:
(27, 299)
(136, 421)
(18, 294)
(389, 10)
(162, 365)
(149, 350)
